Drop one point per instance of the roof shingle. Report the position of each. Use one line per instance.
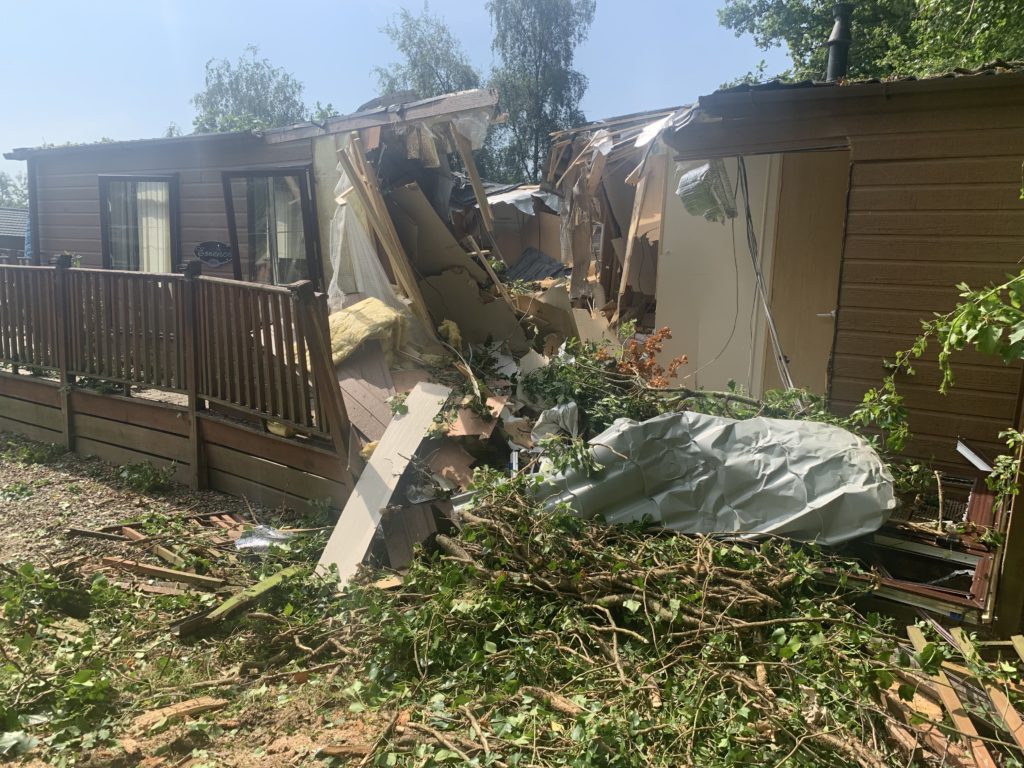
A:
(13, 221)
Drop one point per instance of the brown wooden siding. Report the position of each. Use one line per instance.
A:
(934, 201)
(69, 198)
(930, 209)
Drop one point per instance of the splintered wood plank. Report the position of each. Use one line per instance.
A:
(465, 150)
(1003, 708)
(179, 711)
(954, 706)
(362, 514)
(167, 574)
(1018, 645)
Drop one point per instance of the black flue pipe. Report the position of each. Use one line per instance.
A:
(839, 42)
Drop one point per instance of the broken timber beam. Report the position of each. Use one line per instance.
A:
(234, 603)
(179, 711)
(490, 272)
(251, 594)
(163, 553)
(362, 514)
(465, 150)
(364, 183)
(1004, 710)
(167, 574)
(97, 534)
(954, 707)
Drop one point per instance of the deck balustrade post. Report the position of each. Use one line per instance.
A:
(190, 357)
(313, 324)
(62, 309)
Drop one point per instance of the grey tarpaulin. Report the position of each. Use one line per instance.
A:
(708, 474)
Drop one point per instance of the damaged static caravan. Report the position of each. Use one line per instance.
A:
(798, 235)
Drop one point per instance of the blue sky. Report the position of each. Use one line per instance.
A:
(125, 69)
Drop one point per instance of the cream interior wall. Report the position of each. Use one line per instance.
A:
(808, 251)
(704, 284)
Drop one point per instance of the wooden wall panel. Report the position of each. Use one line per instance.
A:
(35, 390)
(934, 201)
(119, 456)
(241, 461)
(34, 431)
(273, 475)
(135, 437)
(68, 187)
(928, 211)
(31, 407)
(289, 452)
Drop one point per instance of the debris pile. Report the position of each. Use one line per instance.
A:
(519, 634)
(553, 641)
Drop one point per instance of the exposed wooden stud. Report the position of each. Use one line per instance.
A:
(627, 261)
(363, 181)
(482, 257)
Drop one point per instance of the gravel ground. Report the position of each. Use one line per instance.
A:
(40, 501)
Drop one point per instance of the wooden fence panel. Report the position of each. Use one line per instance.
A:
(28, 331)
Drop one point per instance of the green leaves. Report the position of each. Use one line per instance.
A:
(891, 37)
(930, 658)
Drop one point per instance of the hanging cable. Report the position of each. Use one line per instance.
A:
(762, 288)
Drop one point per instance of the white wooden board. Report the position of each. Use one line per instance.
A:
(362, 513)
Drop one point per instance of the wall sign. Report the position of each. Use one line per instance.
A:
(214, 254)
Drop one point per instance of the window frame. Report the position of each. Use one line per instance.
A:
(174, 211)
(310, 226)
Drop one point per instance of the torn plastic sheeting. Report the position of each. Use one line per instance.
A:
(525, 198)
(260, 539)
(355, 267)
(562, 418)
(708, 474)
(473, 125)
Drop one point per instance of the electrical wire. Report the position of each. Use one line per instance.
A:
(759, 281)
(736, 298)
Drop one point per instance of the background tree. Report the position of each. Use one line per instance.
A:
(952, 33)
(891, 37)
(803, 26)
(318, 113)
(535, 41)
(250, 94)
(13, 190)
(434, 62)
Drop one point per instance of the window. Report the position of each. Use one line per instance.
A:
(279, 244)
(138, 220)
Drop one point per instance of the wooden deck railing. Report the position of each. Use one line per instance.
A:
(258, 349)
(126, 327)
(28, 317)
